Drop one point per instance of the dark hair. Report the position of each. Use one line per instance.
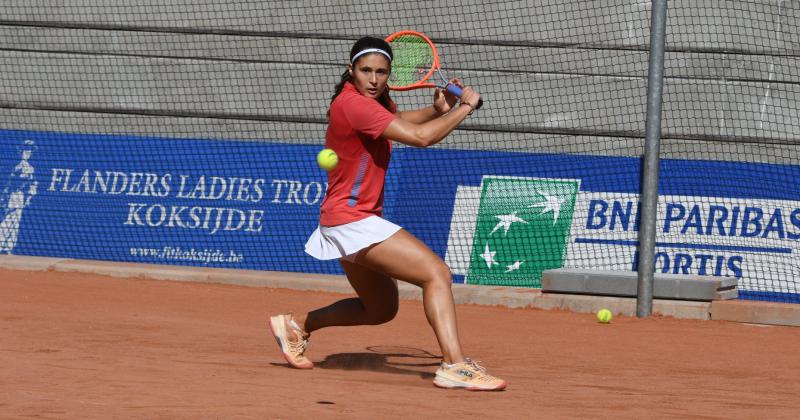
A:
(361, 45)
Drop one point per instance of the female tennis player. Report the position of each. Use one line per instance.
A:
(363, 121)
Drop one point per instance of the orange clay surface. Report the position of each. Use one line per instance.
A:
(78, 346)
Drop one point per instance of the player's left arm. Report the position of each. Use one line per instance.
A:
(420, 116)
(442, 104)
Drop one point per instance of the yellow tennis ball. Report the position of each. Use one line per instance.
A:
(604, 316)
(327, 159)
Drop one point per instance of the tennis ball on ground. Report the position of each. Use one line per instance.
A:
(604, 316)
(327, 159)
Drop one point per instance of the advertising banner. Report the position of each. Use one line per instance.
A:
(230, 204)
(497, 218)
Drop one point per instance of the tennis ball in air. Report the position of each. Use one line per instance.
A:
(604, 316)
(327, 159)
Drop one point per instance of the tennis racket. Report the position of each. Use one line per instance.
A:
(415, 61)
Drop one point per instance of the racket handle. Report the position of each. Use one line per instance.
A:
(456, 91)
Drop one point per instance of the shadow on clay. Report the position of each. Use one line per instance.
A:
(390, 359)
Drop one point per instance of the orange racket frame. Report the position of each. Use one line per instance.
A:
(423, 82)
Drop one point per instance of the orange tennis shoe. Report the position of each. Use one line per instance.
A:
(468, 375)
(292, 340)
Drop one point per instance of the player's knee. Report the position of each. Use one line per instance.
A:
(442, 276)
(390, 312)
(385, 313)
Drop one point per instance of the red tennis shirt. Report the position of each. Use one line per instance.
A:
(355, 187)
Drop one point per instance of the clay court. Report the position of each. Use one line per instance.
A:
(84, 346)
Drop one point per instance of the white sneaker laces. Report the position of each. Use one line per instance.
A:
(298, 346)
(475, 364)
(299, 342)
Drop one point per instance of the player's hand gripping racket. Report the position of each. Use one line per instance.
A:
(415, 60)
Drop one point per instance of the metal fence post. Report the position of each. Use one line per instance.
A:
(649, 197)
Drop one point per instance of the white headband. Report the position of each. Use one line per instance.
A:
(370, 50)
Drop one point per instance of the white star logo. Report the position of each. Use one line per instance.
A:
(514, 267)
(505, 222)
(551, 203)
(488, 256)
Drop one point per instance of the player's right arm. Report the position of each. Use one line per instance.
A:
(433, 131)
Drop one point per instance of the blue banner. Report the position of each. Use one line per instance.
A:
(234, 204)
(252, 205)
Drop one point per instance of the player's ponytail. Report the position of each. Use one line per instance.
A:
(346, 77)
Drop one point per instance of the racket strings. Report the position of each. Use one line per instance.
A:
(413, 60)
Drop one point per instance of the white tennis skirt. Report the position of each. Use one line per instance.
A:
(344, 241)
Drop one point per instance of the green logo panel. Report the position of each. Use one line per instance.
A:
(522, 229)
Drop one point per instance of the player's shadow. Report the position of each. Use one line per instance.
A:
(390, 359)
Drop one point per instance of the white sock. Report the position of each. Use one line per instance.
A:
(448, 365)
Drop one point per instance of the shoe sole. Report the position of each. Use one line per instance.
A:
(450, 384)
(279, 331)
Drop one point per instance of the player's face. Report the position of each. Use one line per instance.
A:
(370, 74)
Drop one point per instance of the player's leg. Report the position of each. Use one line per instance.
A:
(377, 301)
(406, 258)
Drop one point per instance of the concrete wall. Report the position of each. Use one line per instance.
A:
(557, 76)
